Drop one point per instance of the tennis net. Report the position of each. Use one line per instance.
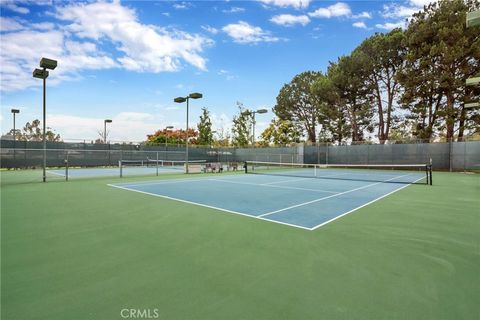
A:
(392, 173)
(150, 166)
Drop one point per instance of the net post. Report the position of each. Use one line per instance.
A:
(120, 166)
(427, 174)
(245, 166)
(66, 166)
(156, 163)
(430, 172)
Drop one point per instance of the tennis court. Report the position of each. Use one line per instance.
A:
(290, 194)
(72, 242)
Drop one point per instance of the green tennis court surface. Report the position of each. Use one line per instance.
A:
(84, 250)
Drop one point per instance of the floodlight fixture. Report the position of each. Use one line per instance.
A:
(40, 73)
(15, 111)
(168, 127)
(48, 63)
(180, 99)
(473, 18)
(195, 95)
(473, 81)
(472, 105)
(262, 111)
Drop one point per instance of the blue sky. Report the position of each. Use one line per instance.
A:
(127, 60)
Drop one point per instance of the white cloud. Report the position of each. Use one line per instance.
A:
(359, 24)
(20, 52)
(9, 24)
(396, 11)
(290, 20)
(242, 32)
(297, 4)
(391, 25)
(222, 124)
(421, 3)
(210, 29)
(401, 13)
(335, 10)
(126, 126)
(43, 26)
(181, 5)
(226, 74)
(146, 47)
(10, 5)
(234, 10)
(362, 15)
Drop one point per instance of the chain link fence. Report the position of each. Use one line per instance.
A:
(454, 156)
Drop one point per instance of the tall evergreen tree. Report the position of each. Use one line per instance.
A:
(332, 115)
(205, 134)
(441, 54)
(241, 130)
(382, 58)
(353, 88)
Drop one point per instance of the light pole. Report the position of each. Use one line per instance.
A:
(260, 111)
(194, 95)
(14, 112)
(43, 74)
(105, 129)
(167, 128)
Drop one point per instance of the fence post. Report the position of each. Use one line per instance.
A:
(450, 147)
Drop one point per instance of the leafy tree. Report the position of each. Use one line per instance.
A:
(172, 137)
(297, 103)
(381, 60)
(241, 130)
(205, 134)
(353, 87)
(281, 132)
(441, 54)
(32, 131)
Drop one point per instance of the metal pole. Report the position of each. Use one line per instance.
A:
(450, 147)
(66, 167)
(186, 142)
(44, 127)
(14, 134)
(104, 131)
(253, 137)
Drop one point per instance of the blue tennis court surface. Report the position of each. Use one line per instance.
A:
(306, 203)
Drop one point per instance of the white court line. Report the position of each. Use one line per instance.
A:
(133, 184)
(207, 206)
(58, 174)
(328, 197)
(283, 181)
(271, 186)
(363, 205)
